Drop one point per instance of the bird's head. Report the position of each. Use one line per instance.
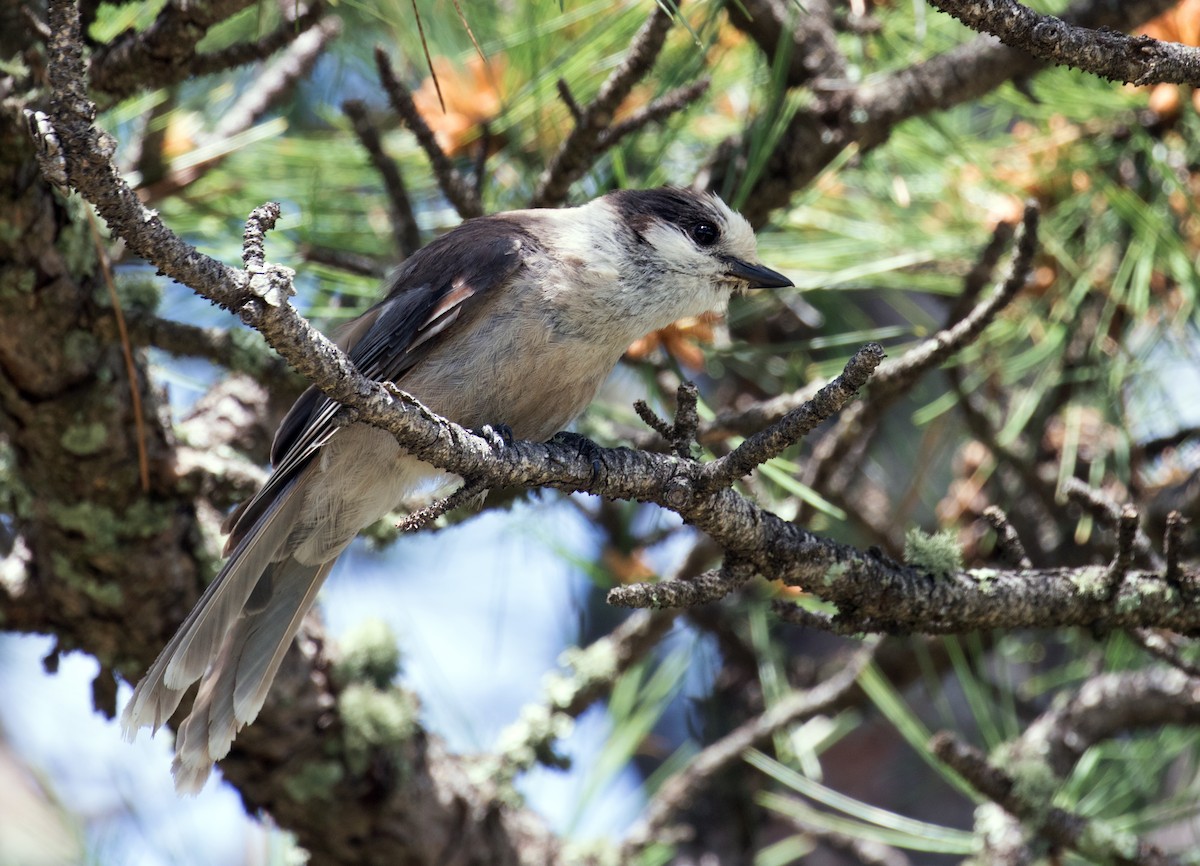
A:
(683, 231)
(641, 259)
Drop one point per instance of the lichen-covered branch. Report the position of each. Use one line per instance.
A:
(1106, 53)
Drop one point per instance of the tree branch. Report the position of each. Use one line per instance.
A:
(454, 186)
(1058, 826)
(1106, 53)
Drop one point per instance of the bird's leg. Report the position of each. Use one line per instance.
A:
(584, 447)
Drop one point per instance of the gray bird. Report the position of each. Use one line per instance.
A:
(514, 319)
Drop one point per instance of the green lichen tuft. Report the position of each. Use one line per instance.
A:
(530, 739)
(16, 281)
(835, 572)
(85, 439)
(136, 294)
(1138, 591)
(937, 554)
(1034, 781)
(991, 823)
(370, 654)
(1091, 581)
(106, 594)
(104, 528)
(985, 578)
(594, 664)
(375, 720)
(314, 781)
(593, 852)
(1103, 844)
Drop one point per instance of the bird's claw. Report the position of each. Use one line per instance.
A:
(585, 447)
(499, 435)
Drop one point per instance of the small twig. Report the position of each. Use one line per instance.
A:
(1166, 647)
(682, 433)
(481, 158)
(651, 419)
(1172, 539)
(582, 146)
(660, 109)
(1127, 531)
(901, 373)
(1108, 512)
(423, 517)
(453, 185)
(254, 237)
(1008, 542)
(774, 440)
(981, 272)
(711, 586)
(293, 30)
(405, 231)
(895, 376)
(568, 98)
(345, 260)
(158, 53)
(165, 52)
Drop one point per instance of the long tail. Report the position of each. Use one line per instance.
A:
(234, 640)
(233, 691)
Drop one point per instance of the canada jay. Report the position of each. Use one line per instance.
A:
(514, 319)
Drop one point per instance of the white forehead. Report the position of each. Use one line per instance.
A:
(739, 237)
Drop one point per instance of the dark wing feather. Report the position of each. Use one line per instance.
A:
(432, 290)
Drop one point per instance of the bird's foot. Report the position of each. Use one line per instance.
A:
(499, 435)
(585, 447)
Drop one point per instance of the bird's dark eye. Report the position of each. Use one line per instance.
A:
(704, 234)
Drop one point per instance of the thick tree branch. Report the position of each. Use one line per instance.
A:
(1106, 53)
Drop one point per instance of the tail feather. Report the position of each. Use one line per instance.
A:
(271, 632)
(233, 691)
(286, 542)
(194, 646)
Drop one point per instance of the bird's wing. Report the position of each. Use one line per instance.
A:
(441, 284)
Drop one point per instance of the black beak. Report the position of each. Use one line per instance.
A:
(758, 276)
